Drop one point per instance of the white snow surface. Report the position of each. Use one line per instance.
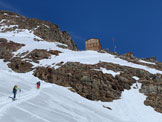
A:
(136, 78)
(104, 70)
(146, 62)
(5, 14)
(52, 103)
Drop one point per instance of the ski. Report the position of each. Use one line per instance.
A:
(13, 99)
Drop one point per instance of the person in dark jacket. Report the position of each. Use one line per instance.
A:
(38, 84)
(15, 88)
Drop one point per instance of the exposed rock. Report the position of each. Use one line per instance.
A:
(20, 66)
(154, 101)
(124, 81)
(39, 54)
(71, 89)
(95, 85)
(129, 54)
(68, 39)
(107, 107)
(59, 64)
(7, 48)
(87, 82)
(45, 30)
(130, 58)
(152, 59)
(62, 46)
(54, 52)
(22, 54)
(153, 89)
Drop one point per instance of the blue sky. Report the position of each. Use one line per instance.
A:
(136, 25)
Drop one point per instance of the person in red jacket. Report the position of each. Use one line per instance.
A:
(38, 84)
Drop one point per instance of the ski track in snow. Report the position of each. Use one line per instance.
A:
(5, 103)
(32, 114)
(28, 105)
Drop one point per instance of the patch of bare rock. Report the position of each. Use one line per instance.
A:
(130, 58)
(20, 66)
(153, 90)
(89, 83)
(39, 54)
(7, 48)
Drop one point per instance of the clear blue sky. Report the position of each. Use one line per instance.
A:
(136, 25)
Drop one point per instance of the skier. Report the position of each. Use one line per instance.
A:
(38, 84)
(15, 88)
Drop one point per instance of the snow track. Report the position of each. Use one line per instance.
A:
(40, 119)
(6, 102)
(51, 103)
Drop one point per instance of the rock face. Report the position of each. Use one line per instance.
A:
(7, 48)
(153, 90)
(151, 58)
(130, 58)
(129, 54)
(46, 30)
(20, 66)
(86, 81)
(94, 85)
(39, 54)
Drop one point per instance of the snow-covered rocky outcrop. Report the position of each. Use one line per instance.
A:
(76, 86)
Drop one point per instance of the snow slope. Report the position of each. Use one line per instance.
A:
(146, 62)
(54, 103)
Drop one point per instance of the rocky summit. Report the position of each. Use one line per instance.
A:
(45, 30)
(36, 46)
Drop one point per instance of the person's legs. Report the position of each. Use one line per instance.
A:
(14, 95)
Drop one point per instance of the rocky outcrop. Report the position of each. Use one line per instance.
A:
(86, 81)
(129, 54)
(68, 39)
(92, 84)
(153, 90)
(45, 30)
(20, 66)
(152, 59)
(7, 48)
(39, 54)
(154, 101)
(152, 62)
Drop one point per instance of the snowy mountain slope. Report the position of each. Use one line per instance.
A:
(86, 57)
(50, 103)
(53, 103)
